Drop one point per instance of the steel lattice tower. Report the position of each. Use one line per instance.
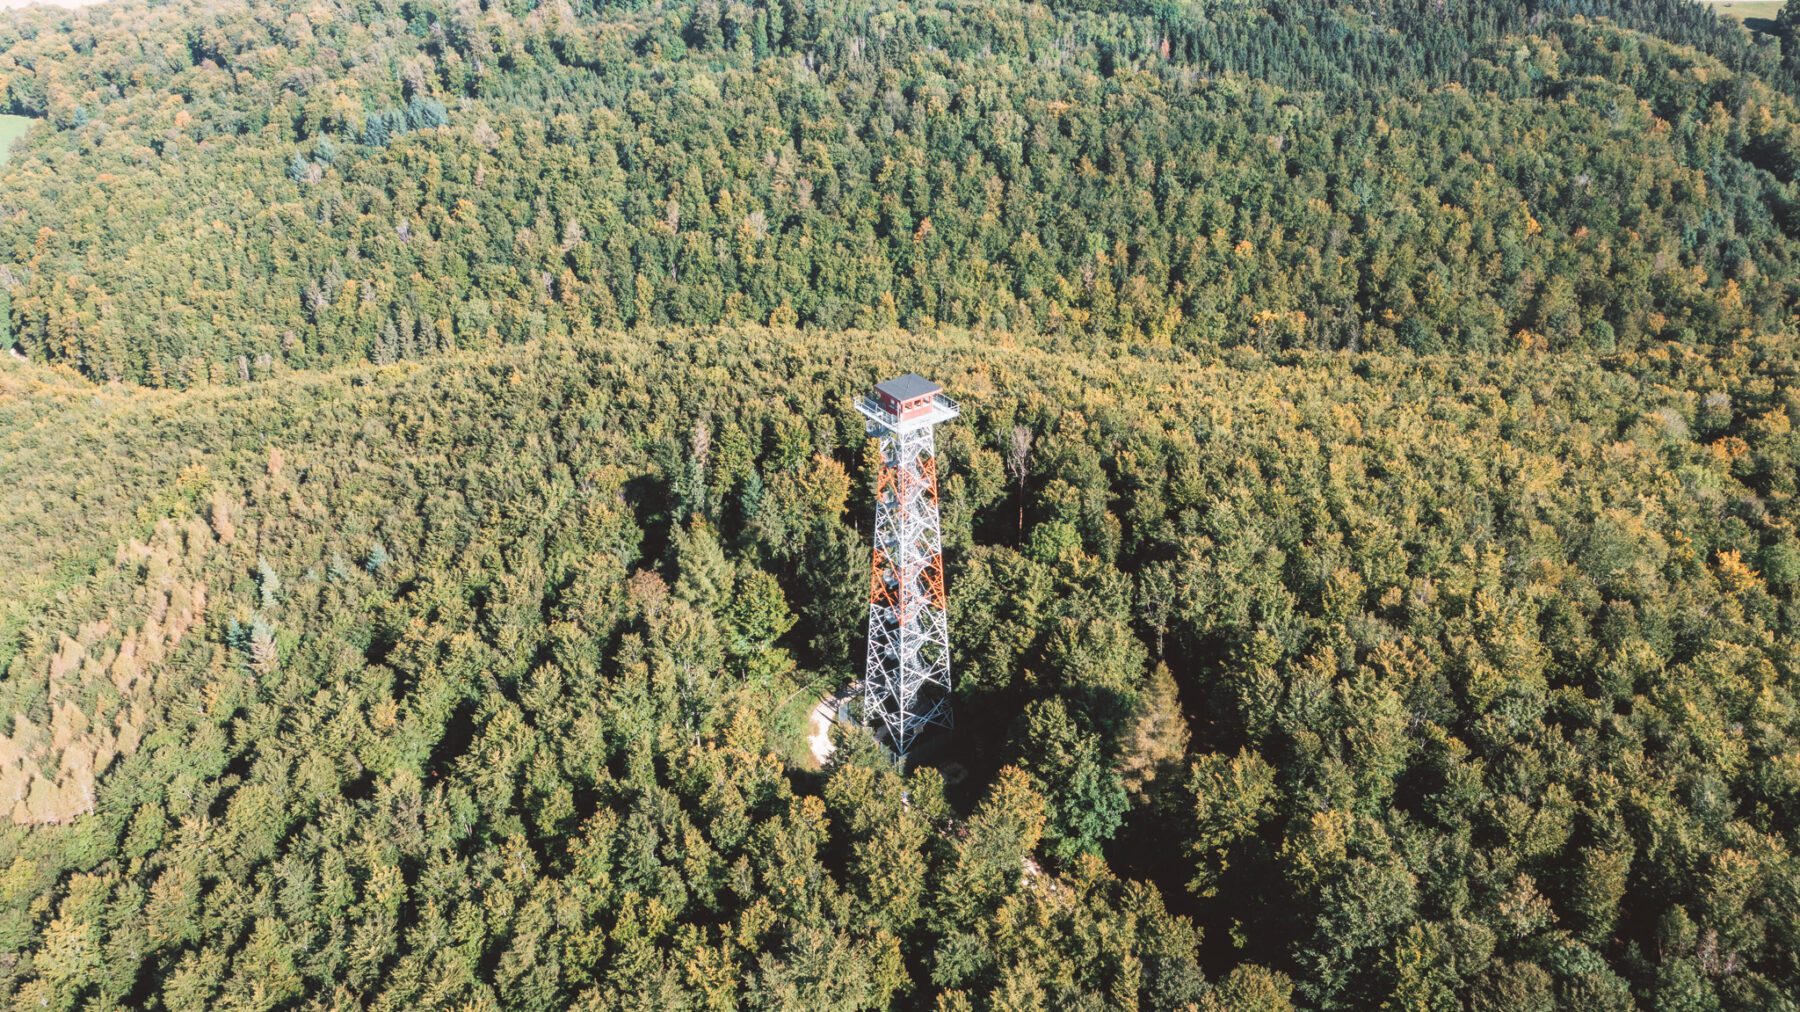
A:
(906, 685)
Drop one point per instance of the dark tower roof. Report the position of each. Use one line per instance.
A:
(907, 387)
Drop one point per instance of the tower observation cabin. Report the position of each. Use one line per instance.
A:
(906, 403)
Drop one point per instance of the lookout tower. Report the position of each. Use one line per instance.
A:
(906, 685)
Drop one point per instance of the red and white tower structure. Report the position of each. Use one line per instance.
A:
(906, 684)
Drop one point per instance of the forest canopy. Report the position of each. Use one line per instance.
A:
(220, 190)
(1402, 679)
(431, 503)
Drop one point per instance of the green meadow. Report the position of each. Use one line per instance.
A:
(11, 129)
(1748, 10)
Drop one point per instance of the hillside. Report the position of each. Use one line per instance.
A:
(232, 187)
(1481, 681)
(431, 504)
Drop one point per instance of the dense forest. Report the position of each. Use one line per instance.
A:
(220, 191)
(480, 681)
(431, 504)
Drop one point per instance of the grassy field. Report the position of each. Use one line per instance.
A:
(11, 129)
(1748, 10)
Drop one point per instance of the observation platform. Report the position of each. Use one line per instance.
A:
(907, 403)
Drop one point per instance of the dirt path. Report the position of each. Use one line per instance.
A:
(819, 739)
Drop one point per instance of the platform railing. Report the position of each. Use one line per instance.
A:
(872, 407)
